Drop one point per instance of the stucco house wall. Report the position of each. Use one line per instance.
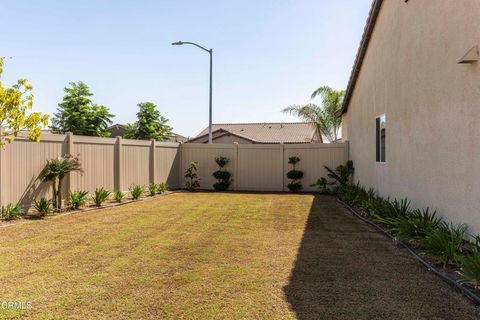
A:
(228, 139)
(432, 105)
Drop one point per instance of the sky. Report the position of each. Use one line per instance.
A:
(268, 54)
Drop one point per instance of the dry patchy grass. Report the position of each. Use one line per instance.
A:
(216, 256)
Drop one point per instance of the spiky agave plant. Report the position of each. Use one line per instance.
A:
(470, 269)
(445, 243)
(418, 224)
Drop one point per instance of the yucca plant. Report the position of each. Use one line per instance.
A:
(162, 187)
(100, 196)
(152, 189)
(418, 224)
(10, 212)
(470, 269)
(43, 207)
(371, 205)
(78, 199)
(118, 196)
(392, 213)
(445, 243)
(136, 191)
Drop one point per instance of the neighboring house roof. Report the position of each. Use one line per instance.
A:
(292, 132)
(175, 137)
(362, 51)
(118, 130)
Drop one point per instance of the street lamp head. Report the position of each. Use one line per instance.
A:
(178, 43)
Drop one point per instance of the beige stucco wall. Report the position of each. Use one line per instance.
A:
(432, 105)
(231, 139)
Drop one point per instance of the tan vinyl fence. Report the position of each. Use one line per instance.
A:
(263, 167)
(115, 164)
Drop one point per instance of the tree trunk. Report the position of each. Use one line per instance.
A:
(54, 195)
(320, 137)
(59, 194)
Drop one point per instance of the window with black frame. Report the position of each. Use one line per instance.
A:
(380, 139)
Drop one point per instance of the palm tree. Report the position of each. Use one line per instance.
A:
(323, 117)
(55, 171)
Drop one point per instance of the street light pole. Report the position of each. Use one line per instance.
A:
(210, 109)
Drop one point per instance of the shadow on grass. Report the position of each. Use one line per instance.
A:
(346, 270)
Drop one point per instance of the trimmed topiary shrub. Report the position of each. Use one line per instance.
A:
(295, 175)
(223, 176)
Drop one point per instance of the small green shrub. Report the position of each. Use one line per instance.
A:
(193, 182)
(417, 225)
(136, 191)
(342, 174)
(43, 207)
(118, 196)
(294, 175)
(152, 189)
(78, 199)
(100, 196)
(10, 212)
(392, 213)
(470, 269)
(162, 187)
(295, 186)
(322, 185)
(445, 243)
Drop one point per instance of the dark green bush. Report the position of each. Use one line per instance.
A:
(78, 199)
(136, 191)
(445, 243)
(294, 175)
(293, 160)
(295, 186)
(43, 207)
(322, 185)
(100, 196)
(222, 161)
(223, 177)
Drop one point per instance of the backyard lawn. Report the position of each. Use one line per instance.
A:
(217, 256)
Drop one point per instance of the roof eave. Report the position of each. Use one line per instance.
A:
(362, 51)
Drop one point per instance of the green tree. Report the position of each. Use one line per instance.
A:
(151, 125)
(79, 115)
(15, 102)
(323, 117)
